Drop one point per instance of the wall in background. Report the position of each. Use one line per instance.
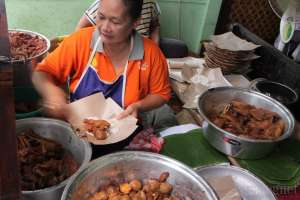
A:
(49, 17)
(189, 20)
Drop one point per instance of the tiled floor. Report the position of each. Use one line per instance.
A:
(49, 17)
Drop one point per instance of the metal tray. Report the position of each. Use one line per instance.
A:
(248, 185)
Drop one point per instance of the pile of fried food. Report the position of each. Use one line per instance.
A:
(99, 128)
(153, 189)
(24, 46)
(43, 162)
(248, 121)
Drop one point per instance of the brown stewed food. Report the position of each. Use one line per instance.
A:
(43, 162)
(248, 121)
(24, 45)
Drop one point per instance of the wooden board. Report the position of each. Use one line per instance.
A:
(9, 169)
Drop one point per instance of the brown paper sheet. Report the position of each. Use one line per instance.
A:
(97, 107)
(231, 42)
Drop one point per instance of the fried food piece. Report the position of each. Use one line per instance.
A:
(99, 128)
(152, 189)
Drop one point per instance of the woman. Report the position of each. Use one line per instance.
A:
(149, 22)
(111, 58)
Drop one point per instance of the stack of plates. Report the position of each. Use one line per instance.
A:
(229, 61)
(230, 53)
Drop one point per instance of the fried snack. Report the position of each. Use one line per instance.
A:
(153, 189)
(99, 128)
(248, 121)
(24, 45)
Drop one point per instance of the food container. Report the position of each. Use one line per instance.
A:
(63, 134)
(280, 92)
(127, 165)
(214, 100)
(23, 67)
(248, 185)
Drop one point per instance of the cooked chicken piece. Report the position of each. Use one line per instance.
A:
(97, 127)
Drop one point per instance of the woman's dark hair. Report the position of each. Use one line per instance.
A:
(134, 8)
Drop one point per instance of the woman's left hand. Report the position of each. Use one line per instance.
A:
(132, 110)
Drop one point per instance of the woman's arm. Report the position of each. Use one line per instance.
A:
(54, 97)
(154, 33)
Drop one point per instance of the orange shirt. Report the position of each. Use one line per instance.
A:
(147, 71)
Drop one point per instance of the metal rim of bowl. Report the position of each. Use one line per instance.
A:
(239, 169)
(32, 33)
(65, 182)
(282, 137)
(93, 167)
(29, 114)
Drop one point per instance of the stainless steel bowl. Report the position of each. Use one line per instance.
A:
(39, 56)
(248, 185)
(127, 165)
(23, 68)
(61, 132)
(214, 100)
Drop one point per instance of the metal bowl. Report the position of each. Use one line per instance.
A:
(248, 185)
(32, 33)
(214, 100)
(127, 165)
(61, 132)
(23, 68)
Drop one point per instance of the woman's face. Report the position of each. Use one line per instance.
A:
(113, 21)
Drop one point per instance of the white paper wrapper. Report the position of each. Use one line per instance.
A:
(179, 63)
(231, 42)
(97, 107)
(200, 81)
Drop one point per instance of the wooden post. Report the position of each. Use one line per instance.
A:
(9, 167)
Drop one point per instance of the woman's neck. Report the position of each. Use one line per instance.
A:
(118, 50)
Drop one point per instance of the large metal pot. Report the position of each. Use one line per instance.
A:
(127, 165)
(61, 132)
(214, 100)
(23, 68)
(282, 93)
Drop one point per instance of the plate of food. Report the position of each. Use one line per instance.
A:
(93, 119)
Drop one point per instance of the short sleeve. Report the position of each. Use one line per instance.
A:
(159, 77)
(60, 62)
(156, 10)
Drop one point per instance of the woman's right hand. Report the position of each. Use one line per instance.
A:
(54, 97)
(55, 103)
